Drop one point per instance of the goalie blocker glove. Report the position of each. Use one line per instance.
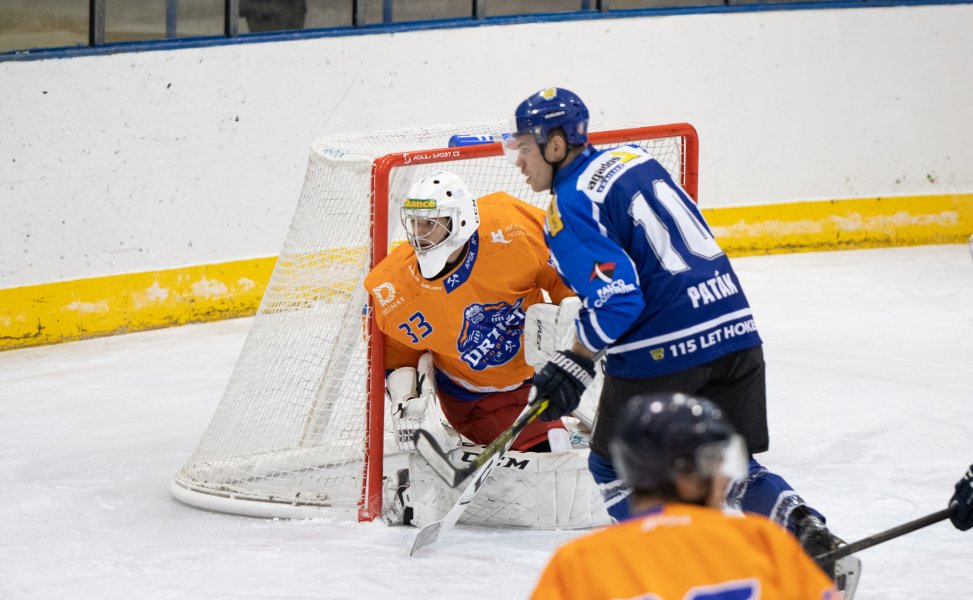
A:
(961, 504)
(563, 380)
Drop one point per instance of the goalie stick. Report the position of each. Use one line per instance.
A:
(480, 469)
(429, 449)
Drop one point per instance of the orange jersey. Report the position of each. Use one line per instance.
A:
(682, 552)
(472, 318)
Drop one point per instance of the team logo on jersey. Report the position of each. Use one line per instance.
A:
(384, 293)
(553, 220)
(614, 288)
(491, 334)
(604, 271)
(608, 169)
(600, 174)
(497, 237)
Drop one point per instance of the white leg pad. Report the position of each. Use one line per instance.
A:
(538, 490)
(549, 328)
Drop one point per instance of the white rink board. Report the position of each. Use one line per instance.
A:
(141, 161)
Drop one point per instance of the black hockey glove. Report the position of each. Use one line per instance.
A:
(962, 502)
(563, 379)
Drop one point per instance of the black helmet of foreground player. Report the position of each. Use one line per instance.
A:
(661, 437)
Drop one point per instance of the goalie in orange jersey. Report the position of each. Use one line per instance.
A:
(452, 304)
(678, 454)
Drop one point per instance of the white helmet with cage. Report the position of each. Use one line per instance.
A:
(439, 217)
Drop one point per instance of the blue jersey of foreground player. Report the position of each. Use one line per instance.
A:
(656, 287)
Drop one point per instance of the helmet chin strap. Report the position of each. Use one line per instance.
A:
(555, 166)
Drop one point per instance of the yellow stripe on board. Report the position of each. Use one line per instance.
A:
(843, 224)
(85, 308)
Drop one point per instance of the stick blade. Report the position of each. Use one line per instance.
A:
(426, 537)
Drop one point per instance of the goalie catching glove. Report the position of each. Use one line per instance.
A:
(562, 381)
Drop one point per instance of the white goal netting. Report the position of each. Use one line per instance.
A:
(290, 437)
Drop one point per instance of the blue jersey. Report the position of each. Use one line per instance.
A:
(656, 288)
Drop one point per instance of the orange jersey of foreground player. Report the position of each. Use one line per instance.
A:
(472, 318)
(685, 552)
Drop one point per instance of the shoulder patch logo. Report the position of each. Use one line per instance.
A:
(497, 237)
(625, 156)
(384, 293)
(553, 219)
(603, 271)
(606, 167)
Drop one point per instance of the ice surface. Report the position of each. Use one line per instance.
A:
(870, 374)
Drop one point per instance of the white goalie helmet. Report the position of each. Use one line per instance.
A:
(439, 216)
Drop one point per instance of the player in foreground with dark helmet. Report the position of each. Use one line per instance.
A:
(678, 454)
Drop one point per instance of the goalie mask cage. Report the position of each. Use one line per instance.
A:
(301, 430)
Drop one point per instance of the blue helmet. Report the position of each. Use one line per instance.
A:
(662, 434)
(553, 108)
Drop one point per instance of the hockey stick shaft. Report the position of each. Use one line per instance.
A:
(499, 445)
(432, 532)
(884, 536)
(428, 534)
(440, 462)
(429, 449)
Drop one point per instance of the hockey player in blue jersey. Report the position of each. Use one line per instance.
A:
(660, 298)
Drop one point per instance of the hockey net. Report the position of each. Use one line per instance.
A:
(301, 430)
